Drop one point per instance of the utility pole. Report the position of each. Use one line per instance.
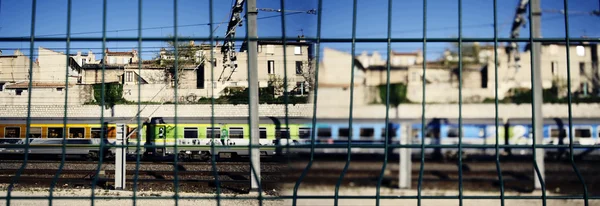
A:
(253, 84)
(537, 91)
(536, 48)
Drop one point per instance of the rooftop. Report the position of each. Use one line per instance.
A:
(405, 53)
(295, 43)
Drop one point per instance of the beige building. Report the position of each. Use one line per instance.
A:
(53, 67)
(93, 73)
(271, 64)
(479, 78)
(370, 71)
(195, 80)
(120, 58)
(45, 93)
(335, 80)
(49, 67)
(15, 68)
(442, 76)
(82, 59)
(50, 71)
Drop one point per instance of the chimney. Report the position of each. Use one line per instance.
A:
(78, 53)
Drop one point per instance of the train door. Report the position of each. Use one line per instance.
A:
(153, 132)
(224, 137)
(161, 140)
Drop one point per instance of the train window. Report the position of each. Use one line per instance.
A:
(324, 132)
(555, 133)
(35, 132)
(55, 132)
(282, 133)
(304, 133)
(415, 133)
(12, 132)
(343, 132)
(216, 131)
(383, 132)
(583, 133)
(236, 132)
(76, 132)
(96, 132)
(190, 132)
(431, 132)
(132, 132)
(367, 132)
(263, 133)
(452, 132)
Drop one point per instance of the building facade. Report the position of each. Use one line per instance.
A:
(478, 73)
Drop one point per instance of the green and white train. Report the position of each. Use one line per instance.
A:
(230, 139)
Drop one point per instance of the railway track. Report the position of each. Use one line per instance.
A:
(134, 162)
(129, 172)
(199, 176)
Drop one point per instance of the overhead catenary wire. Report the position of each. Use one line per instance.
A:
(165, 86)
(156, 27)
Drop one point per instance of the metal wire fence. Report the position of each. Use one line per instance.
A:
(387, 146)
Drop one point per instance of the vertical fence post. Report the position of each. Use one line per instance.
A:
(253, 87)
(120, 161)
(537, 89)
(404, 172)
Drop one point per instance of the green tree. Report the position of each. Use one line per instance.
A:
(113, 94)
(470, 53)
(397, 95)
(189, 55)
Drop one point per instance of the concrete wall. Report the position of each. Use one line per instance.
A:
(447, 93)
(379, 77)
(94, 76)
(163, 93)
(333, 96)
(305, 110)
(78, 94)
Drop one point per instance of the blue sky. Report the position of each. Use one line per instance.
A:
(122, 15)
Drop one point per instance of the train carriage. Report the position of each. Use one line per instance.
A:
(483, 132)
(231, 136)
(47, 138)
